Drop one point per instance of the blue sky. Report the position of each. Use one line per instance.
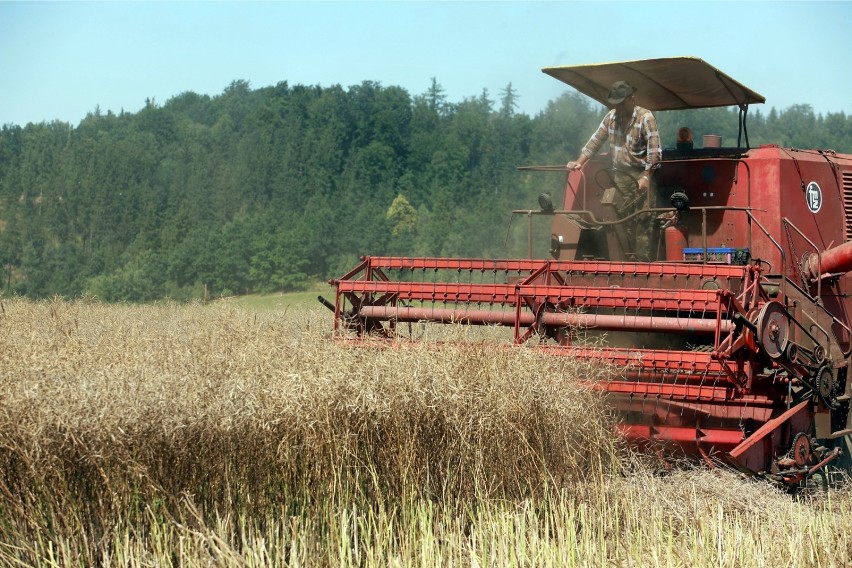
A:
(59, 61)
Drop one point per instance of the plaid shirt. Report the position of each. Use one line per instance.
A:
(638, 147)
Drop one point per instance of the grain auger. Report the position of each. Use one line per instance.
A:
(729, 341)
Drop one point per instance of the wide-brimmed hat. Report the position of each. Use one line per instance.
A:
(619, 91)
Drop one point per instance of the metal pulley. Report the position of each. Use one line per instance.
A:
(826, 386)
(772, 329)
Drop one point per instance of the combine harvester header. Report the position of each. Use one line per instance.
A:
(733, 334)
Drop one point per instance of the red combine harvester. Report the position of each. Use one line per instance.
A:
(733, 340)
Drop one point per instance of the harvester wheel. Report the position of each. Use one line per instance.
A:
(801, 449)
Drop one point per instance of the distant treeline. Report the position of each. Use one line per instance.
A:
(272, 189)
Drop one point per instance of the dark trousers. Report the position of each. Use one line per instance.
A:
(633, 200)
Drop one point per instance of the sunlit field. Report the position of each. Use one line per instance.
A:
(228, 435)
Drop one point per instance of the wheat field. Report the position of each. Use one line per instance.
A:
(215, 435)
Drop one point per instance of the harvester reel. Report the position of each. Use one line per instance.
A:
(773, 329)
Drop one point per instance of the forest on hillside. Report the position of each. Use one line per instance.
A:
(273, 189)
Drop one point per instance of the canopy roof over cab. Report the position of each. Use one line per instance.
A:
(671, 83)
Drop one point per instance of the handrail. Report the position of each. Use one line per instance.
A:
(818, 299)
(594, 220)
(780, 250)
(788, 223)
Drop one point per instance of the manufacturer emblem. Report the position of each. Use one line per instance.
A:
(814, 196)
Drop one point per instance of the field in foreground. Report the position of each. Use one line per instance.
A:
(221, 436)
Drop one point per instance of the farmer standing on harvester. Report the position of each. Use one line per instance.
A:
(636, 153)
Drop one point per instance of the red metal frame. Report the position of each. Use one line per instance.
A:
(697, 401)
